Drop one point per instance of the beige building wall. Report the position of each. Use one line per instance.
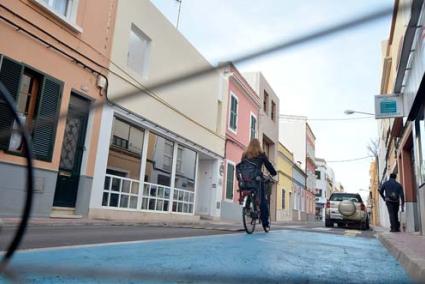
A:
(189, 108)
(284, 168)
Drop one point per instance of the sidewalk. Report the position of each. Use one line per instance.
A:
(408, 249)
(201, 224)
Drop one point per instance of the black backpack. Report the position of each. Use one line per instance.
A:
(246, 174)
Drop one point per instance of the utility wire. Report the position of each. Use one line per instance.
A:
(326, 119)
(350, 160)
(203, 71)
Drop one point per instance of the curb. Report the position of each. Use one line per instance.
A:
(411, 265)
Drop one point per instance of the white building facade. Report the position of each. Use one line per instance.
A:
(159, 157)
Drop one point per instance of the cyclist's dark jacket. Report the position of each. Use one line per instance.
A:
(392, 186)
(263, 160)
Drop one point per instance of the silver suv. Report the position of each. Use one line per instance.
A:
(346, 209)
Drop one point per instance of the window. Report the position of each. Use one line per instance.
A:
(230, 174)
(168, 155)
(179, 160)
(38, 99)
(159, 160)
(185, 178)
(283, 199)
(138, 51)
(265, 102)
(318, 193)
(183, 197)
(253, 132)
(273, 112)
(346, 196)
(119, 191)
(127, 137)
(65, 9)
(233, 123)
(318, 174)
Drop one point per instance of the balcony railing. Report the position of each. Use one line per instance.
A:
(121, 192)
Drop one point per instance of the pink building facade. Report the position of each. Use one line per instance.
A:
(242, 120)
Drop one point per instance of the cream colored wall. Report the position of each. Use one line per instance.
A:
(189, 108)
(284, 168)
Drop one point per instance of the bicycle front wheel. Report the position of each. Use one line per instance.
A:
(248, 217)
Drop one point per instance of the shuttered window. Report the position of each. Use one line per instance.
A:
(229, 180)
(41, 120)
(10, 74)
(46, 121)
(233, 113)
(253, 128)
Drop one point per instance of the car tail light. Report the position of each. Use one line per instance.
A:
(362, 207)
(328, 204)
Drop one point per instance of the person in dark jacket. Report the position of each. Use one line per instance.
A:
(255, 154)
(392, 192)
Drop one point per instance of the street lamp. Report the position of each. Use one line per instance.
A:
(349, 111)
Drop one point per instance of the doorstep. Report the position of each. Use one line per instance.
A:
(64, 213)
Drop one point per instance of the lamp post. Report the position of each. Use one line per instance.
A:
(349, 111)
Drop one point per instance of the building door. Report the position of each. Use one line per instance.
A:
(205, 188)
(72, 152)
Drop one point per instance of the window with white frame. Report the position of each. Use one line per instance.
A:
(138, 51)
(253, 128)
(233, 121)
(64, 8)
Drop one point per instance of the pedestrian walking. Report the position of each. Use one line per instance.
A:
(392, 193)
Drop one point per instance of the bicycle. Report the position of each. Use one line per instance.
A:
(251, 212)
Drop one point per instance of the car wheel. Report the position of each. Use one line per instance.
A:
(328, 223)
(363, 226)
(340, 225)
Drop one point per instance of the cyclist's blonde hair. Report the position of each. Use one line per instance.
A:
(253, 150)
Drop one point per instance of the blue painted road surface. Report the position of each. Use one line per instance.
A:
(285, 256)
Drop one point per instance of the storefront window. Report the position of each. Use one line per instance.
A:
(159, 164)
(121, 187)
(183, 196)
(159, 160)
(186, 168)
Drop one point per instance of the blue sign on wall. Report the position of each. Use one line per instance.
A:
(388, 106)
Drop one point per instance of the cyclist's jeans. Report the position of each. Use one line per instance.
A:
(264, 208)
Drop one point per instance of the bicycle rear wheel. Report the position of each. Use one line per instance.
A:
(248, 216)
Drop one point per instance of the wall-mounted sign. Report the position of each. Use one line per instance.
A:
(388, 106)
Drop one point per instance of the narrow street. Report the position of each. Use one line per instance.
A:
(289, 253)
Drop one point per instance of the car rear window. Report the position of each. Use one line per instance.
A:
(342, 197)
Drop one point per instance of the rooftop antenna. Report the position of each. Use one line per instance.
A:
(178, 15)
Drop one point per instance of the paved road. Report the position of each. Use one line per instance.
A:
(282, 256)
(39, 236)
(60, 235)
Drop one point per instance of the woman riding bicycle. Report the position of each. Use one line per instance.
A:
(255, 154)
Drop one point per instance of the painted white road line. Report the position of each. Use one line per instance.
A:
(321, 229)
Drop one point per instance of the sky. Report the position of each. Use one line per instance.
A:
(320, 79)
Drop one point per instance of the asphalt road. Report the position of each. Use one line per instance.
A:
(41, 236)
(288, 254)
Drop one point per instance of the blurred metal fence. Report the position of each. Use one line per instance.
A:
(13, 273)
